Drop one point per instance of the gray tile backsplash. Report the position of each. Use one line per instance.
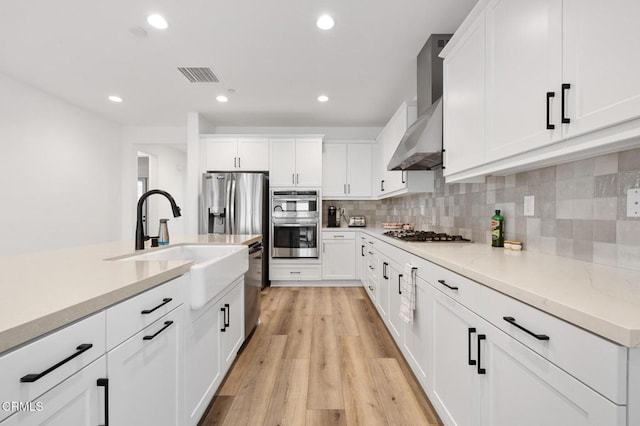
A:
(580, 209)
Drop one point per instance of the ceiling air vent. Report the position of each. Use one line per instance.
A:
(199, 75)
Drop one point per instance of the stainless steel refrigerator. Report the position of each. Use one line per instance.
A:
(238, 203)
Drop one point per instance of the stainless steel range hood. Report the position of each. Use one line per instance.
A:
(421, 146)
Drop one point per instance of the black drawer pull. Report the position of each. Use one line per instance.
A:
(384, 270)
(166, 325)
(447, 285)
(105, 384)
(227, 315)
(30, 378)
(549, 96)
(399, 280)
(164, 302)
(362, 251)
(565, 87)
(512, 321)
(481, 370)
(471, 361)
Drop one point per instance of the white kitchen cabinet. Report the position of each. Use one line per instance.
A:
(237, 153)
(40, 366)
(295, 162)
(231, 308)
(295, 271)
(145, 380)
(601, 63)
(520, 387)
(80, 400)
(418, 342)
(456, 385)
(371, 275)
(209, 351)
(394, 323)
(347, 170)
(338, 255)
(464, 101)
(551, 94)
(524, 63)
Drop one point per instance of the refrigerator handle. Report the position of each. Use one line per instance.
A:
(232, 205)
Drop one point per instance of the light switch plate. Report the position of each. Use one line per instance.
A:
(529, 205)
(633, 202)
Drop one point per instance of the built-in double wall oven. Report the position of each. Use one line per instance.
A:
(295, 224)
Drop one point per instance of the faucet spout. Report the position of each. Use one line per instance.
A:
(140, 237)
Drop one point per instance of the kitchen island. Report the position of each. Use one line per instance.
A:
(44, 291)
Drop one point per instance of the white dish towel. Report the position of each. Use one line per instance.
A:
(408, 296)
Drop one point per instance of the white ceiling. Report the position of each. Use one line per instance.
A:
(269, 51)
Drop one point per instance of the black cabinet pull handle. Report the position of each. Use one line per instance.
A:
(166, 325)
(403, 180)
(164, 302)
(481, 370)
(399, 280)
(382, 185)
(549, 96)
(384, 270)
(227, 315)
(362, 251)
(471, 361)
(239, 166)
(565, 87)
(447, 285)
(224, 319)
(370, 288)
(30, 378)
(105, 384)
(512, 321)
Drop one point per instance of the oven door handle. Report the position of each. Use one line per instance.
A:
(295, 225)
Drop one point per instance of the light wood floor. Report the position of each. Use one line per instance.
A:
(322, 356)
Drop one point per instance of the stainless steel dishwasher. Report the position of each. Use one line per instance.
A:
(252, 287)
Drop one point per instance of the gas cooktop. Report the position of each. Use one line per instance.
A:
(426, 236)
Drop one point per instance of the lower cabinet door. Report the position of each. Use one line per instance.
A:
(456, 382)
(393, 319)
(382, 301)
(418, 336)
(77, 401)
(232, 320)
(338, 262)
(522, 388)
(144, 386)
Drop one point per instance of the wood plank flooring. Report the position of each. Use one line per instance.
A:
(321, 356)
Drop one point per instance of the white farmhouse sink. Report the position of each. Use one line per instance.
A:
(214, 267)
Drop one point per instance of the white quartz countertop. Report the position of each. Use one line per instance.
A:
(602, 299)
(46, 290)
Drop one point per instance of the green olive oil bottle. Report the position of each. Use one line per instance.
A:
(497, 230)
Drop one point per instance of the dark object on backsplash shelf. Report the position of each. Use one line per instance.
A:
(497, 230)
(333, 218)
(426, 236)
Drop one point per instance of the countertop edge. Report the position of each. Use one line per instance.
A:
(602, 327)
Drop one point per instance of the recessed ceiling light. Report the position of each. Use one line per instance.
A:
(157, 21)
(222, 98)
(325, 22)
(116, 99)
(323, 98)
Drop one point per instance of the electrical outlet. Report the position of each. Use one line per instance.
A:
(633, 202)
(529, 205)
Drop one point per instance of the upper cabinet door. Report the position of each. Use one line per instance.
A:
(524, 63)
(282, 162)
(253, 154)
(359, 170)
(308, 162)
(334, 174)
(601, 63)
(464, 102)
(222, 154)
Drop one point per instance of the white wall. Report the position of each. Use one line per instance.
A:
(167, 146)
(60, 168)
